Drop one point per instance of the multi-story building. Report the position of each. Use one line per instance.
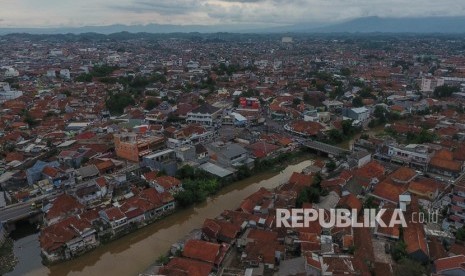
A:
(163, 160)
(429, 84)
(205, 114)
(132, 147)
(417, 156)
(361, 114)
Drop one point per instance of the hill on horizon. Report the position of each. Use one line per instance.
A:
(372, 24)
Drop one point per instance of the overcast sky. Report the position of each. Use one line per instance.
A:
(57, 13)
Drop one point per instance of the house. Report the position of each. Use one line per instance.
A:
(53, 174)
(115, 217)
(67, 238)
(62, 207)
(365, 177)
(167, 184)
(313, 265)
(205, 114)
(133, 147)
(87, 172)
(250, 203)
(162, 160)
(186, 267)
(303, 128)
(261, 247)
(161, 203)
(186, 153)
(72, 158)
(220, 230)
(425, 187)
(34, 173)
(443, 163)
(414, 235)
(192, 134)
(211, 253)
(450, 266)
(361, 114)
(387, 232)
(89, 193)
(201, 153)
(333, 106)
(337, 265)
(263, 149)
(457, 207)
(417, 156)
(229, 154)
(360, 158)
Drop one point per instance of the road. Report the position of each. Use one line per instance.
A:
(17, 211)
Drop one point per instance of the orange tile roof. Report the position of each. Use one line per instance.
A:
(167, 181)
(449, 263)
(389, 190)
(64, 205)
(403, 174)
(186, 267)
(201, 250)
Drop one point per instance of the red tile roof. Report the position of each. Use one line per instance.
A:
(55, 236)
(370, 170)
(50, 171)
(149, 176)
(389, 190)
(64, 205)
(186, 267)
(201, 250)
(414, 233)
(221, 228)
(85, 136)
(443, 159)
(450, 263)
(249, 203)
(308, 128)
(167, 182)
(114, 213)
(350, 201)
(403, 174)
(301, 179)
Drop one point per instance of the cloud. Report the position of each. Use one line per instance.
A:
(272, 12)
(162, 7)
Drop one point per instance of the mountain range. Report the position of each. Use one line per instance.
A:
(359, 25)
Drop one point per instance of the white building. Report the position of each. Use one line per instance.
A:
(429, 84)
(7, 94)
(413, 154)
(361, 114)
(11, 72)
(64, 73)
(205, 115)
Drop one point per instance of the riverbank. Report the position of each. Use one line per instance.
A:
(139, 249)
(8, 260)
(197, 185)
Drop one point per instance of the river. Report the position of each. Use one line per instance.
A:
(134, 253)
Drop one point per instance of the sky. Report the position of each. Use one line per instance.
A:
(74, 13)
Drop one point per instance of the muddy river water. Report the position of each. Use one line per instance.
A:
(132, 254)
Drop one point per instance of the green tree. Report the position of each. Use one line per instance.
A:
(408, 267)
(445, 91)
(116, 103)
(345, 72)
(357, 102)
(399, 250)
(296, 101)
(84, 78)
(331, 165)
(460, 234)
(150, 104)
